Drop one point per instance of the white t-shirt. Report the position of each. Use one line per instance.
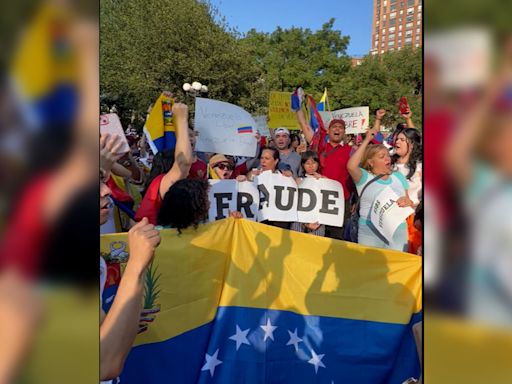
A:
(415, 183)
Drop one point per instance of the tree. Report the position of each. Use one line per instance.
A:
(152, 45)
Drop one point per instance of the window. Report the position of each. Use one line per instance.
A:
(399, 48)
(417, 45)
(408, 25)
(410, 18)
(391, 43)
(408, 33)
(410, 11)
(408, 40)
(392, 29)
(385, 3)
(418, 30)
(391, 37)
(401, 12)
(418, 22)
(383, 30)
(382, 51)
(392, 15)
(399, 34)
(400, 27)
(392, 8)
(382, 45)
(391, 49)
(392, 22)
(417, 37)
(410, 3)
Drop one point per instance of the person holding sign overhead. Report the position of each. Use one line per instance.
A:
(370, 168)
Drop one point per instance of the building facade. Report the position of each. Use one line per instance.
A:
(396, 24)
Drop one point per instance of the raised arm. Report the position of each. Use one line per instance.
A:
(355, 159)
(304, 126)
(183, 152)
(408, 119)
(120, 325)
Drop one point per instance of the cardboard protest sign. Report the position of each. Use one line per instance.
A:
(224, 128)
(277, 197)
(356, 119)
(320, 200)
(110, 123)
(386, 215)
(280, 111)
(230, 195)
(262, 126)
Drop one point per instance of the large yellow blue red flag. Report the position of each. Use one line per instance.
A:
(159, 127)
(44, 70)
(241, 302)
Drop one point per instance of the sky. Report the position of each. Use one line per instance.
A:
(353, 17)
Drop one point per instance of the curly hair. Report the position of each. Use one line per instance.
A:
(185, 204)
(412, 138)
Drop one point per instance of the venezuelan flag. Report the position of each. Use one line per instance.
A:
(241, 302)
(323, 101)
(159, 128)
(44, 70)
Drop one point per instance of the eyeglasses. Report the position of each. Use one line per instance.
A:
(223, 166)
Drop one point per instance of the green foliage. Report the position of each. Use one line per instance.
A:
(152, 45)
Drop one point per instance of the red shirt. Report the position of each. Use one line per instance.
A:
(333, 162)
(151, 202)
(198, 170)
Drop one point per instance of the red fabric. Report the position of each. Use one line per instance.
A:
(151, 202)
(240, 170)
(117, 193)
(439, 127)
(334, 166)
(26, 233)
(198, 170)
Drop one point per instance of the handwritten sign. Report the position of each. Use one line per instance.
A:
(224, 128)
(386, 215)
(280, 111)
(356, 119)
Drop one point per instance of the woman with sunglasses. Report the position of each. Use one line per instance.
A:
(220, 167)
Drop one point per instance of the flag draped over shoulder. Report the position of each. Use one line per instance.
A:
(241, 302)
(44, 70)
(322, 104)
(159, 127)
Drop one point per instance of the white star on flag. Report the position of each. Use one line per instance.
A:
(316, 360)
(240, 337)
(294, 340)
(269, 330)
(211, 363)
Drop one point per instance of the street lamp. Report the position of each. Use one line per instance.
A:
(195, 89)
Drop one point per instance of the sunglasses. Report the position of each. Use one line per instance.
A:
(223, 166)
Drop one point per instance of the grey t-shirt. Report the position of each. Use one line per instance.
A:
(293, 160)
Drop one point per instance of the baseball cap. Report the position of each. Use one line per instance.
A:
(282, 130)
(337, 121)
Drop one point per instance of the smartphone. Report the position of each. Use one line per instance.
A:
(110, 123)
(404, 105)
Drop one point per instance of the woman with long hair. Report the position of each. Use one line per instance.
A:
(371, 163)
(407, 160)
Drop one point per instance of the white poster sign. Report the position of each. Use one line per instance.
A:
(278, 196)
(320, 200)
(262, 125)
(386, 215)
(224, 128)
(356, 119)
(110, 123)
(229, 195)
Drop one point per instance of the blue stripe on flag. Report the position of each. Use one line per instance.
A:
(168, 140)
(302, 349)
